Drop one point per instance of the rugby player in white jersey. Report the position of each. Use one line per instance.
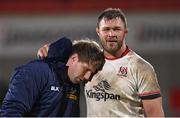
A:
(127, 84)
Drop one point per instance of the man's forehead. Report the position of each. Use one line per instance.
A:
(116, 21)
(111, 20)
(106, 21)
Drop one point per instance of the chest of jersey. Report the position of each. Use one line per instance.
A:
(117, 89)
(113, 90)
(114, 82)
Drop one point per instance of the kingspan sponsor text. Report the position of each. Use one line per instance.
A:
(102, 95)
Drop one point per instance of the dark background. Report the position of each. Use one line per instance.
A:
(154, 33)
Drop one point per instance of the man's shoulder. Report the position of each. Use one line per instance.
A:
(138, 58)
(138, 62)
(38, 64)
(34, 68)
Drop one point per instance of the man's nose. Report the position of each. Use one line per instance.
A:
(111, 33)
(87, 75)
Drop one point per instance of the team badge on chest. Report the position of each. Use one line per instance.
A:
(122, 71)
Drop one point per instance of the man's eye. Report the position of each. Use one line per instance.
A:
(117, 29)
(105, 29)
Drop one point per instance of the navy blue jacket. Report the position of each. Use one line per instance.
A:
(42, 88)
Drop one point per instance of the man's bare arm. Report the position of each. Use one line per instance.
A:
(153, 108)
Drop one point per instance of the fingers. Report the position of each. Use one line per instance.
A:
(43, 51)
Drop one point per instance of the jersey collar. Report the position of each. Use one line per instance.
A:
(122, 55)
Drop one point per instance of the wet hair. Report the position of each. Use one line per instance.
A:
(89, 52)
(112, 13)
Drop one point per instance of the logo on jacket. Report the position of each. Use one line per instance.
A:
(100, 92)
(54, 88)
(123, 71)
(72, 94)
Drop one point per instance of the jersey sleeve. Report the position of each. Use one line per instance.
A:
(148, 87)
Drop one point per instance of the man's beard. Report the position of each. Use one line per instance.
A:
(112, 49)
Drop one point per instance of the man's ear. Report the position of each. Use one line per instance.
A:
(97, 30)
(73, 58)
(126, 31)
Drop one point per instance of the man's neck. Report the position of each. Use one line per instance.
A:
(117, 55)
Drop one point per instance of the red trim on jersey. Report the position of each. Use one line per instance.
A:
(149, 93)
(122, 55)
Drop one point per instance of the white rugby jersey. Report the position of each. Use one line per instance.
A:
(119, 88)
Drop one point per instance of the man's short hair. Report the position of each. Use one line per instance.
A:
(112, 13)
(90, 52)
